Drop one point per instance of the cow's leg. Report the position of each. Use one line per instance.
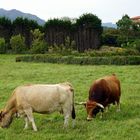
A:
(26, 123)
(66, 121)
(117, 106)
(29, 114)
(101, 114)
(107, 108)
(67, 115)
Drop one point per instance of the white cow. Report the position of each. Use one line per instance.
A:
(40, 98)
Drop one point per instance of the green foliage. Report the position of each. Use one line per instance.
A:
(17, 43)
(89, 20)
(129, 31)
(109, 37)
(125, 24)
(5, 21)
(2, 46)
(136, 44)
(25, 24)
(5, 29)
(112, 51)
(69, 45)
(133, 45)
(37, 34)
(55, 23)
(112, 60)
(65, 49)
(39, 45)
(125, 27)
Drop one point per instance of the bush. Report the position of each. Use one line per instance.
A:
(114, 60)
(112, 51)
(65, 49)
(136, 44)
(17, 43)
(108, 39)
(39, 47)
(2, 45)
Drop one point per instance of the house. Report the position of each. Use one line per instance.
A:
(136, 19)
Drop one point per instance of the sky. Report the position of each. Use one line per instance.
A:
(106, 10)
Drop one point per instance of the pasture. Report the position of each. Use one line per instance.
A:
(114, 125)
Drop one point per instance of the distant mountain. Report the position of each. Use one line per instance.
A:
(13, 14)
(109, 25)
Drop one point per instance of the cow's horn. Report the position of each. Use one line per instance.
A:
(80, 103)
(100, 105)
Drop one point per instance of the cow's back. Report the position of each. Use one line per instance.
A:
(42, 98)
(114, 88)
(105, 90)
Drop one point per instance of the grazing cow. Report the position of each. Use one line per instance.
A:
(102, 93)
(39, 98)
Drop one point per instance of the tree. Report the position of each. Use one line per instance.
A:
(2, 45)
(56, 30)
(129, 30)
(17, 43)
(5, 29)
(88, 32)
(23, 26)
(89, 21)
(39, 45)
(125, 25)
(109, 36)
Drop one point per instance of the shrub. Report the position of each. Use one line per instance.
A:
(39, 47)
(136, 44)
(112, 51)
(65, 49)
(109, 37)
(2, 45)
(17, 43)
(114, 60)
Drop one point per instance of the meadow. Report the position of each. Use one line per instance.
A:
(123, 125)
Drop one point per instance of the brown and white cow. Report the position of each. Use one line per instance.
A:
(102, 93)
(40, 98)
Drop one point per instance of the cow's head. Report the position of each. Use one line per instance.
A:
(91, 107)
(6, 118)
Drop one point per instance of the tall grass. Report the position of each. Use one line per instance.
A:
(114, 125)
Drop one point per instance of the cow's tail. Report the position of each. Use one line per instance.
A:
(73, 115)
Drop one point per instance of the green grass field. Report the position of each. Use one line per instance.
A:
(124, 125)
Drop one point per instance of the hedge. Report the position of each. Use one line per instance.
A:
(113, 60)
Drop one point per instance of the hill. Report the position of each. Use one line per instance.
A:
(109, 25)
(13, 14)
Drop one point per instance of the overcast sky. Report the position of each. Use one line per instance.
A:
(106, 10)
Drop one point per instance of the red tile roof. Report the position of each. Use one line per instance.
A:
(135, 18)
